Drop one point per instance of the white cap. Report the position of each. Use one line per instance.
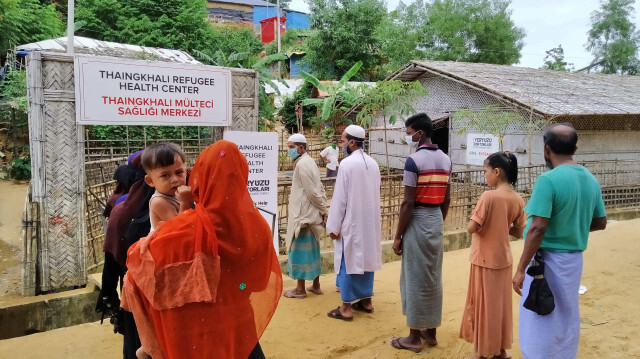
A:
(297, 137)
(356, 131)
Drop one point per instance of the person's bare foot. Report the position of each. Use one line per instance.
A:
(315, 290)
(294, 293)
(429, 336)
(406, 343)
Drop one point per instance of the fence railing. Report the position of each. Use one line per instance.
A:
(620, 182)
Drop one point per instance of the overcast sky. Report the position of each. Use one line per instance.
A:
(547, 23)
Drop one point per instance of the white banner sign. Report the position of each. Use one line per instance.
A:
(480, 146)
(261, 151)
(113, 91)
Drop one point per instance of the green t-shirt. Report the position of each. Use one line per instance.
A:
(570, 197)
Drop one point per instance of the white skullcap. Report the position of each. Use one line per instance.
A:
(297, 137)
(356, 131)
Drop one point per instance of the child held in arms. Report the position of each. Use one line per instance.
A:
(167, 173)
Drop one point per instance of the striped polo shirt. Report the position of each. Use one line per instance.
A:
(429, 170)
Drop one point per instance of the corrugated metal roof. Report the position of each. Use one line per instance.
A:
(85, 45)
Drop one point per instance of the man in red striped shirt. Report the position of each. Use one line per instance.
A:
(427, 176)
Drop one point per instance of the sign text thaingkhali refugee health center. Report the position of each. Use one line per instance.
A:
(130, 92)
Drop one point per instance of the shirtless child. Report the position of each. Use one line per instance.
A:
(167, 173)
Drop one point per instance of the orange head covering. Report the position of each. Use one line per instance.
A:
(207, 282)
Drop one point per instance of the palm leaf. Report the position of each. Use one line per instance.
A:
(266, 61)
(237, 57)
(272, 85)
(326, 108)
(352, 71)
(312, 101)
(204, 57)
(314, 81)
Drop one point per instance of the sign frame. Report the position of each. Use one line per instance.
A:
(143, 100)
(479, 147)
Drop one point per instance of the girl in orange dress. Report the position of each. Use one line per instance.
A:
(487, 320)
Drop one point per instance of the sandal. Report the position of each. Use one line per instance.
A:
(360, 307)
(395, 342)
(335, 314)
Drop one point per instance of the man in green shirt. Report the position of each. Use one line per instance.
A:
(566, 204)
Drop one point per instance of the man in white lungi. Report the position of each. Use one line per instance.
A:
(566, 204)
(355, 224)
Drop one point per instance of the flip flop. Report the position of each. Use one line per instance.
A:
(360, 307)
(291, 293)
(314, 291)
(500, 357)
(395, 342)
(335, 314)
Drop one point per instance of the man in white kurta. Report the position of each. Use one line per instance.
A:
(307, 212)
(355, 224)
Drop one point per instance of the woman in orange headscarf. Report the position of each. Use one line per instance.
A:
(206, 283)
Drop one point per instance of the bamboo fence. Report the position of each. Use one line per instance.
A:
(620, 182)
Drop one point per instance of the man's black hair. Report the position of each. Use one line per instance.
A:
(561, 143)
(420, 122)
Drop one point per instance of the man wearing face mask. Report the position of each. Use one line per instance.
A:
(355, 224)
(307, 214)
(420, 233)
(330, 157)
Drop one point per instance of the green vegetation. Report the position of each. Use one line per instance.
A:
(613, 38)
(555, 60)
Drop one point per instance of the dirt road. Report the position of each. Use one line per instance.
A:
(610, 311)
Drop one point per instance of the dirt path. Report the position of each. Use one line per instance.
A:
(11, 207)
(610, 311)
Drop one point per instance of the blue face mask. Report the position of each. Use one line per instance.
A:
(346, 151)
(293, 153)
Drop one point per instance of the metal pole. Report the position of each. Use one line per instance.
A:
(279, 42)
(70, 26)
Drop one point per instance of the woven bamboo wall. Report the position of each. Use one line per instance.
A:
(58, 175)
(58, 172)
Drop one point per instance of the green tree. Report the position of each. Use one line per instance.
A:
(468, 30)
(554, 60)
(265, 107)
(390, 100)
(344, 33)
(174, 24)
(340, 97)
(398, 40)
(231, 40)
(25, 21)
(613, 39)
(288, 110)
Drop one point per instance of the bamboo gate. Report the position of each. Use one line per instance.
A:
(57, 252)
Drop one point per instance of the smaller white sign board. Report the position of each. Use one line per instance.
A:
(261, 151)
(115, 91)
(479, 147)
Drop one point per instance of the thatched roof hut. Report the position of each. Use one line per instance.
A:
(604, 108)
